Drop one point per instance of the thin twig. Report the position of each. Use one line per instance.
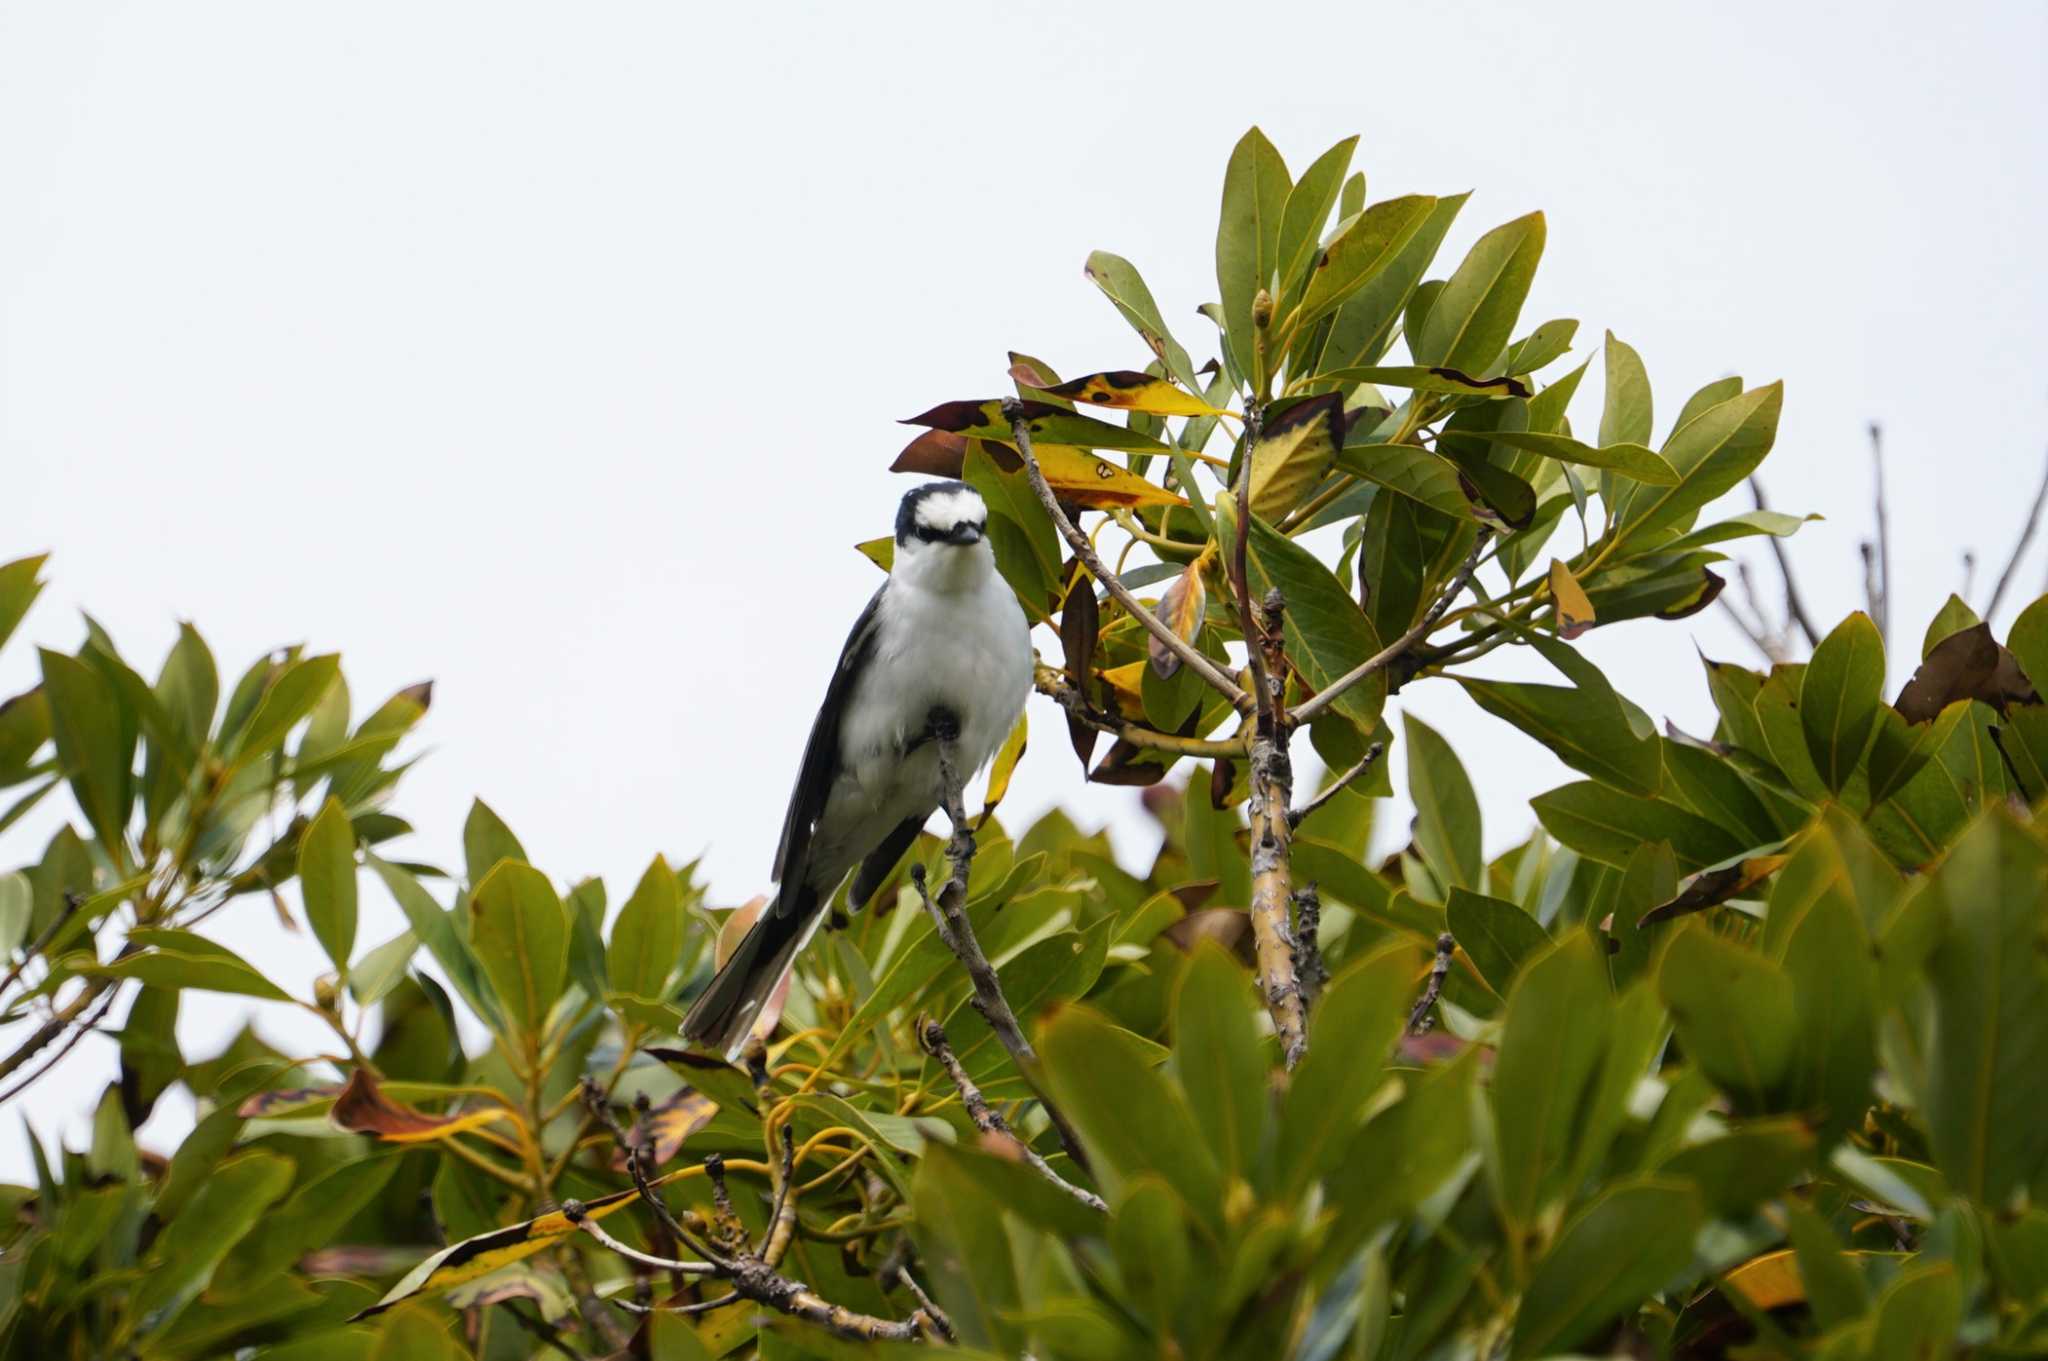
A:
(931, 1036)
(70, 904)
(1794, 606)
(53, 1028)
(948, 911)
(1055, 685)
(1308, 949)
(941, 1324)
(1084, 550)
(1379, 661)
(1882, 612)
(1749, 630)
(573, 1211)
(636, 1152)
(1419, 1019)
(2019, 549)
(1338, 785)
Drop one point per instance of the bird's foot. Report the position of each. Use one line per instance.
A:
(943, 724)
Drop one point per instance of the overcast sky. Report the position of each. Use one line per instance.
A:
(555, 352)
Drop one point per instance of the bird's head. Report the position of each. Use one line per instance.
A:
(941, 535)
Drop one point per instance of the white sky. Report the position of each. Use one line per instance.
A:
(555, 352)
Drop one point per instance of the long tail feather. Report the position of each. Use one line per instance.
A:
(722, 1017)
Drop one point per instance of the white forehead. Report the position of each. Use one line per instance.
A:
(945, 509)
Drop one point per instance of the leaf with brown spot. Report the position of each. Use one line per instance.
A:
(1711, 888)
(1574, 610)
(269, 1103)
(1295, 451)
(1005, 766)
(1129, 390)
(362, 1108)
(1180, 609)
(1047, 423)
(1125, 686)
(1420, 378)
(670, 1123)
(1965, 665)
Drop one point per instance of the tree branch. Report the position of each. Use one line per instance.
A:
(1338, 785)
(932, 1038)
(1882, 604)
(1380, 660)
(1190, 656)
(1055, 685)
(1272, 840)
(948, 911)
(2019, 549)
(1794, 606)
(1419, 1019)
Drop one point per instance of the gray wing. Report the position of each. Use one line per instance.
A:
(821, 758)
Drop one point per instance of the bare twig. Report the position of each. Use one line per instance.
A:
(2019, 549)
(1794, 606)
(1750, 631)
(932, 1037)
(1055, 685)
(1881, 602)
(1380, 660)
(1338, 785)
(1308, 947)
(69, 1018)
(1419, 1019)
(637, 1155)
(941, 1324)
(1084, 550)
(948, 911)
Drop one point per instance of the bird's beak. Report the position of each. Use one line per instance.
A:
(966, 533)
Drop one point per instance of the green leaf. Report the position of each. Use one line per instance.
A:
(94, 742)
(1605, 826)
(201, 965)
(1308, 210)
(1022, 535)
(327, 880)
(2028, 641)
(1617, 1252)
(1587, 734)
(1447, 828)
(288, 698)
(1255, 190)
(1497, 935)
(1625, 415)
(1630, 460)
(1363, 328)
(229, 1203)
(1735, 1013)
(1711, 453)
(1542, 346)
(1744, 525)
(1363, 248)
(1989, 994)
(647, 937)
(312, 1218)
(1739, 1170)
(1220, 1058)
(1417, 474)
(1708, 397)
(1918, 1314)
(17, 903)
(1121, 283)
(20, 584)
(1150, 1236)
(1420, 378)
(1953, 617)
(521, 937)
(1556, 1030)
(1834, 993)
(1351, 1031)
(1327, 634)
(1405, 1154)
(1834, 1288)
(1470, 321)
(1098, 1078)
(436, 929)
(485, 841)
(1838, 698)
(1294, 451)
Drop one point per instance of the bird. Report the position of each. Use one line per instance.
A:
(941, 653)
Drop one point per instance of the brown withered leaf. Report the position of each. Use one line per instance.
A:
(1180, 609)
(1128, 765)
(1080, 627)
(1230, 927)
(1195, 893)
(1966, 665)
(1710, 590)
(1714, 887)
(935, 453)
(1574, 610)
(362, 1108)
(670, 1123)
(1222, 778)
(266, 1103)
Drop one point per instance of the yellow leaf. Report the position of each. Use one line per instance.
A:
(1129, 390)
(1011, 752)
(1181, 610)
(1082, 479)
(1125, 682)
(1574, 609)
(1768, 1282)
(1294, 454)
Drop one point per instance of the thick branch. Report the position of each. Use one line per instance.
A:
(1794, 606)
(1180, 647)
(1393, 651)
(1272, 839)
(2019, 549)
(987, 1118)
(948, 912)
